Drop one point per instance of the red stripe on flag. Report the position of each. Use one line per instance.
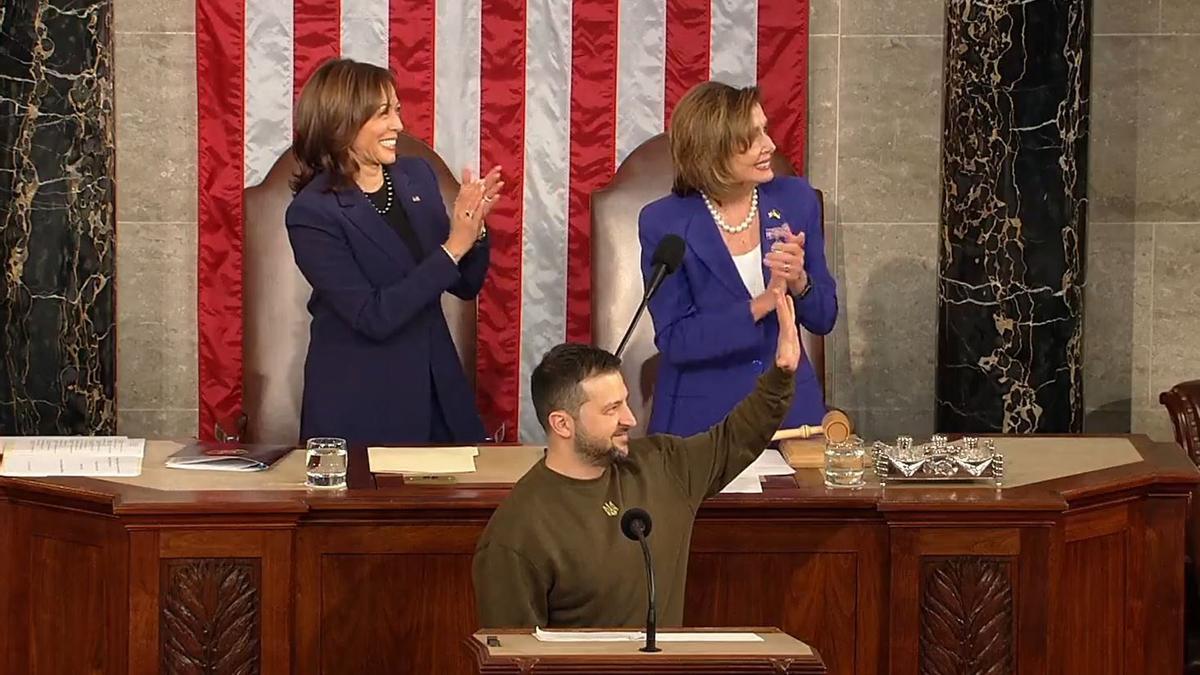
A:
(593, 146)
(783, 74)
(502, 142)
(410, 55)
(219, 88)
(689, 23)
(318, 36)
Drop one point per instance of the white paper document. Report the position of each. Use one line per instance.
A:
(769, 463)
(423, 461)
(44, 456)
(639, 636)
(744, 484)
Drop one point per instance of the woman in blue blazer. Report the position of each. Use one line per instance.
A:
(747, 232)
(370, 234)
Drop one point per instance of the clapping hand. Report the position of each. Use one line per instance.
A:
(787, 351)
(786, 262)
(476, 197)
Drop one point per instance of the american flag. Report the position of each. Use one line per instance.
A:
(556, 91)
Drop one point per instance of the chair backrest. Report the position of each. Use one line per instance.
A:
(1183, 405)
(617, 286)
(275, 316)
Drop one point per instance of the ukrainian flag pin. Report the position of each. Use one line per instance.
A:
(774, 213)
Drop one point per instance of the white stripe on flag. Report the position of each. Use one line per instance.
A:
(456, 87)
(269, 70)
(547, 155)
(641, 73)
(365, 31)
(734, 42)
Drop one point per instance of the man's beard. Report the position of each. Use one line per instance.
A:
(600, 451)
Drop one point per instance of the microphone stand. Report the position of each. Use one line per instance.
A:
(651, 614)
(629, 333)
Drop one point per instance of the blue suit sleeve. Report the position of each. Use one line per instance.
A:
(683, 333)
(473, 270)
(817, 312)
(327, 262)
(473, 267)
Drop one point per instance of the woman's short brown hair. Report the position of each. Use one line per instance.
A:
(335, 103)
(711, 123)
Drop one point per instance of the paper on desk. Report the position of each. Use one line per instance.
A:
(75, 446)
(638, 636)
(57, 465)
(425, 460)
(30, 456)
(745, 483)
(709, 637)
(588, 636)
(769, 463)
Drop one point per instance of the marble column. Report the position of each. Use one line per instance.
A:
(1014, 208)
(57, 329)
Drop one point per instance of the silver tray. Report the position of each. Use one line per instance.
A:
(966, 459)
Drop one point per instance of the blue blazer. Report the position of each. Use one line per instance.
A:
(712, 349)
(380, 354)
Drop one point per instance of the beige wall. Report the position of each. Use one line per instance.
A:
(1143, 304)
(875, 102)
(875, 107)
(156, 217)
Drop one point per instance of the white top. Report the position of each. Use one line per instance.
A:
(749, 267)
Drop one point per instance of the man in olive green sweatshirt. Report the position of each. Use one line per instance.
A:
(553, 554)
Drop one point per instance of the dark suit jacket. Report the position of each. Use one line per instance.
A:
(712, 349)
(379, 341)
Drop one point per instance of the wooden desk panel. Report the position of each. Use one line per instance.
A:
(1080, 574)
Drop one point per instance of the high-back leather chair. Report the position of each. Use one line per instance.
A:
(275, 295)
(617, 285)
(1183, 406)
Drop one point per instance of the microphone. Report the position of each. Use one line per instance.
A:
(635, 524)
(668, 255)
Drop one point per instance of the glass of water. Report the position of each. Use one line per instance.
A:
(325, 462)
(845, 463)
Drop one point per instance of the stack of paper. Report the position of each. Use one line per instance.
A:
(638, 636)
(769, 463)
(423, 461)
(31, 456)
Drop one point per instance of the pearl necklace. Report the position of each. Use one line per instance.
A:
(387, 186)
(740, 227)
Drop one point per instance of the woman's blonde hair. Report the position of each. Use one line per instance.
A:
(335, 103)
(711, 123)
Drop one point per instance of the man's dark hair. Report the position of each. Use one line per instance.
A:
(555, 383)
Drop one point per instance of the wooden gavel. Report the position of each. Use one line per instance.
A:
(835, 426)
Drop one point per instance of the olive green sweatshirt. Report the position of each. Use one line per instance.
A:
(553, 554)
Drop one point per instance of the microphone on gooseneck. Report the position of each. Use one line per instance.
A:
(635, 524)
(667, 258)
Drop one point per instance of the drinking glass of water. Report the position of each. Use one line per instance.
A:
(325, 462)
(845, 463)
